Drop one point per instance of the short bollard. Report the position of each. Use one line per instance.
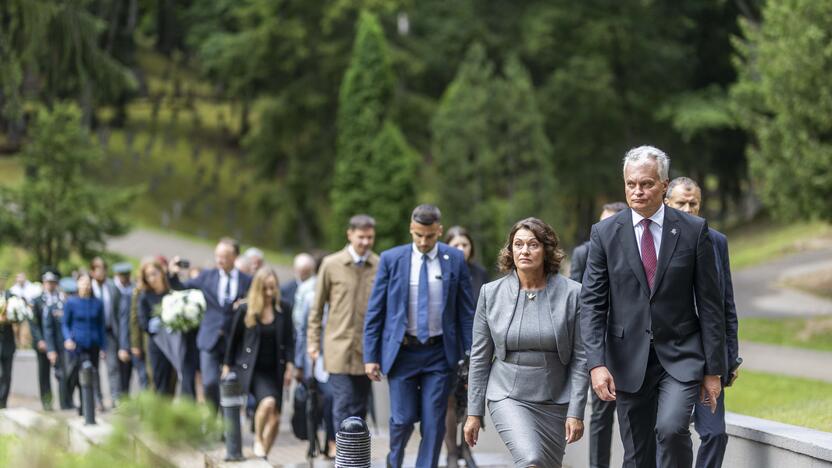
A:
(87, 394)
(231, 400)
(352, 444)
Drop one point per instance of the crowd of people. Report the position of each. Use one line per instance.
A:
(646, 319)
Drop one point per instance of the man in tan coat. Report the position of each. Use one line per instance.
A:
(345, 281)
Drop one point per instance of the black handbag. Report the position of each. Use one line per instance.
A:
(300, 399)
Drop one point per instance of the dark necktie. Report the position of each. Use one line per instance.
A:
(423, 330)
(648, 252)
(228, 298)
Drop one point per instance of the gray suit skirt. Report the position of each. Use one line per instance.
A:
(534, 433)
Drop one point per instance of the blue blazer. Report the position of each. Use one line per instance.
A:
(83, 322)
(216, 322)
(726, 286)
(386, 318)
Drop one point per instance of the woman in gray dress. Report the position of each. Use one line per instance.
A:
(527, 358)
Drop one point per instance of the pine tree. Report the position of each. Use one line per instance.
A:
(375, 170)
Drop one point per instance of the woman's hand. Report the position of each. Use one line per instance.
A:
(471, 430)
(574, 430)
(288, 375)
(225, 371)
(52, 356)
(69, 345)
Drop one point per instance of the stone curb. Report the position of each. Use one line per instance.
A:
(809, 442)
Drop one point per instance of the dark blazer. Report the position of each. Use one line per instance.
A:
(578, 264)
(386, 318)
(479, 276)
(36, 322)
(216, 322)
(287, 292)
(619, 312)
(52, 318)
(123, 305)
(726, 287)
(83, 322)
(244, 344)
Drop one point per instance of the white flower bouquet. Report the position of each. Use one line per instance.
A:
(183, 310)
(14, 309)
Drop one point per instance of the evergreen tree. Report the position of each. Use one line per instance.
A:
(58, 210)
(785, 101)
(375, 168)
(465, 160)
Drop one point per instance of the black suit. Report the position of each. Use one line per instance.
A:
(603, 412)
(658, 343)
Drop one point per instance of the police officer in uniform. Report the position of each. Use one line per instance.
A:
(54, 337)
(41, 306)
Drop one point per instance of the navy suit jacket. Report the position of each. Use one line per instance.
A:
(386, 319)
(726, 286)
(217, 320)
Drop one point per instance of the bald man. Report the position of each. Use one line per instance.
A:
(303, 268)
(685, 195)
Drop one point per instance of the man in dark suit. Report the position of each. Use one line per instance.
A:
(223, 287)
(600, 423)
(419, 316)
(41, 311)
(651, 316)
(685, 195)
(116, 328)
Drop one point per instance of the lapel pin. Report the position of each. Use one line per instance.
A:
(446, 257)
(673, 231)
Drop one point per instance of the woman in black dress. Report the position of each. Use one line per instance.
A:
(459, 238)
(261, 352)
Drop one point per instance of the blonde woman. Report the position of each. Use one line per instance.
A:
(261, 352)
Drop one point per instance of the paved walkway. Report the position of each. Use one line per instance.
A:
(141, 242)
(758, 291)
(784, 360)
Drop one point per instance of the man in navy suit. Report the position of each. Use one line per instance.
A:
(685, 195)
(419, 320)
(223, 287)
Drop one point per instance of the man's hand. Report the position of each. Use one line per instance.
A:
(471, 430)
(602, 383)
(373, 371)
(225, 370)
(123, 355)
(314, 354)
(69, 345)
(574, 430)
(41, 346)
(52, 356)
(137, 352)
(173, 265)
(709, 392)
(299, 374)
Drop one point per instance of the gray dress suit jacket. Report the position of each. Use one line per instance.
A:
(495, 309)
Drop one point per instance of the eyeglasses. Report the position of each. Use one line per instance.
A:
(533, 246)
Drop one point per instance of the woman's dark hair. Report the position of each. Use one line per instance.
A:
(552, 253)
(458, 231)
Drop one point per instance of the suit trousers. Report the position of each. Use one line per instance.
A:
(420, 381)
(654, 421)
(209, 366)
(712, 435)
(115, 368)
(600, 431)
(44, 381)
(189, 365)
(139, 366)
(350, 394)
(62, 376)
(6, 361)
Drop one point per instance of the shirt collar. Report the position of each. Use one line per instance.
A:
(233, 273)
(658, 216)
(355, 257)
(431, 255)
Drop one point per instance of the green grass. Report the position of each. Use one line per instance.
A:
(810, 333)
(791, 400)
(759, 242)
(11, 171)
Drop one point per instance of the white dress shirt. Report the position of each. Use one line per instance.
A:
(434, 291)
(357, 258)
(234, 277)
(655, 228)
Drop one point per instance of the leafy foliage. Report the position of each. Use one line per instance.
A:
(57, 210)
(785, 101)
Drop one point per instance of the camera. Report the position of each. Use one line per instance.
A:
(183, 263)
